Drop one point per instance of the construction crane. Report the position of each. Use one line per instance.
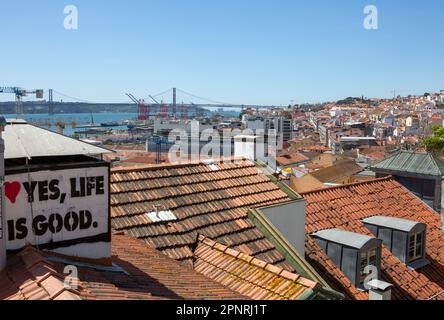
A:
(160, 142)
(19, 94)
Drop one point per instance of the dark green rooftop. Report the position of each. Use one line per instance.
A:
(412, 162)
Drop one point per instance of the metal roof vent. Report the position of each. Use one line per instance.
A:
(346, 238)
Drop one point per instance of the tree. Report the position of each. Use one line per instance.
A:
(435, 143)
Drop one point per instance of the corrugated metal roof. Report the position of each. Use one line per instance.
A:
(350, 239)
(412, 162)
(23, 140)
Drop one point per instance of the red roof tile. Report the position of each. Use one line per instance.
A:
(247, 275)
(344, 207)
(291, 159)
(213, 203)
(144, 273)
(340, 170)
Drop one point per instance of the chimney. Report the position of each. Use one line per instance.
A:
(379, 290)
(2, 198)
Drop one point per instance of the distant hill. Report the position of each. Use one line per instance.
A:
(352, 100)
(71, 107)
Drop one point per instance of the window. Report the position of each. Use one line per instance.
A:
(368, 258)
(351, 252)
(416, 245)
(404, 238)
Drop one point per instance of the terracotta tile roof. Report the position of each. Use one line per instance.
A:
(127, 147)
(29, 276)
(292, 158)
(340, 170)
(344, 207)
(149, 158)
(376, 155)
(247, 275)
(145, 274)
(314, 148)
(199, 200)
(305, 184)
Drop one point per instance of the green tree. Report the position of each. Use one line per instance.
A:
(435, 143)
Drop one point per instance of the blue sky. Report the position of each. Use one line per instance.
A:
(239, 51)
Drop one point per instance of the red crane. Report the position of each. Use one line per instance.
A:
(143, 108)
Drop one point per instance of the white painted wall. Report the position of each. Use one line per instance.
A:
(98, 250)
(24, 217)
(245, 146)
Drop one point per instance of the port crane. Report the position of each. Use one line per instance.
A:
(19, 94)
(143, 108)
(163, 108)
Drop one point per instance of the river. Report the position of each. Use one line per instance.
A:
(79, 118)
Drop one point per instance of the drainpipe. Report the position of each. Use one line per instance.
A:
(2, 198)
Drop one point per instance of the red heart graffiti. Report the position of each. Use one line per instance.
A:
(12, 189)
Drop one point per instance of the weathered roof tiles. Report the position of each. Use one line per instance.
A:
(345, 207)
(247, 275)
(213, 203)
(141, 273)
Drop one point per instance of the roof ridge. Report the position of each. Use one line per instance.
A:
(438, 162)
(153, 167)
(348, 185)
(186, 175)
(276, 270)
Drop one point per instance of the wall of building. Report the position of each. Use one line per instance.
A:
(289, 219)
(63, 208)
(2, 208)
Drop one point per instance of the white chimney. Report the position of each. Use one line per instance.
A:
(245, 147)
(379, 290)
(2, 198)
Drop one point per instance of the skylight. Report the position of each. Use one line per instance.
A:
(212, 164)
(161, 216)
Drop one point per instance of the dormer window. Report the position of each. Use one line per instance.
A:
(351, 252)
(404, 238)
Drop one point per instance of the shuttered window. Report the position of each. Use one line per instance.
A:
(416, 245)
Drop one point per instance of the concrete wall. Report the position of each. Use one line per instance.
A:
(289, 219)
